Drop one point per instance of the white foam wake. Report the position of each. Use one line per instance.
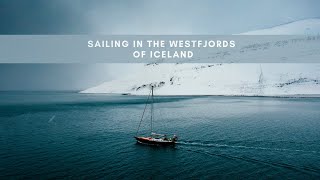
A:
(242, 147)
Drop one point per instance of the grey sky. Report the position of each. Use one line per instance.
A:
(149, 16)
(33, 77)
(49, 76)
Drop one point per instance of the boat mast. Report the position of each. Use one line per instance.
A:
(145, 107)
(151, 107)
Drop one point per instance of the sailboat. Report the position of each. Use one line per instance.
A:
(154, 138)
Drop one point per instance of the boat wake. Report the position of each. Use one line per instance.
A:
(204, 148)
(306, 170)
(200, 144)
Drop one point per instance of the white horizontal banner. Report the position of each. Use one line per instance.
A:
(159, 49)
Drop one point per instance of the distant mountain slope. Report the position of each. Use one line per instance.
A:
(218, 79)
(235, 79)
(302, 27)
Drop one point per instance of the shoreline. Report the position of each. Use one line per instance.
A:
(168, 95)
(204, 95)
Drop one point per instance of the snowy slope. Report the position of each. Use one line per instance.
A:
(218, 79)
(233, 79)
(302, 27)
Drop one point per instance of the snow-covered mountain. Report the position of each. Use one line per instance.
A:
(302, 27)
(218, 79)
(234, 79)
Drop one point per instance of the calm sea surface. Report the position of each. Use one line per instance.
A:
(68, 135)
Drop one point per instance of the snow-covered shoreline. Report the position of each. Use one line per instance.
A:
(270, 96)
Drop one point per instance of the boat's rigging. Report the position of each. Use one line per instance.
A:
(152, 112)
(145, 107)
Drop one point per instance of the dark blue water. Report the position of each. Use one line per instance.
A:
(47, 135)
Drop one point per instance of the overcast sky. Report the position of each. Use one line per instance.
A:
(149, 16)
(35, 77)
(129, 17)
